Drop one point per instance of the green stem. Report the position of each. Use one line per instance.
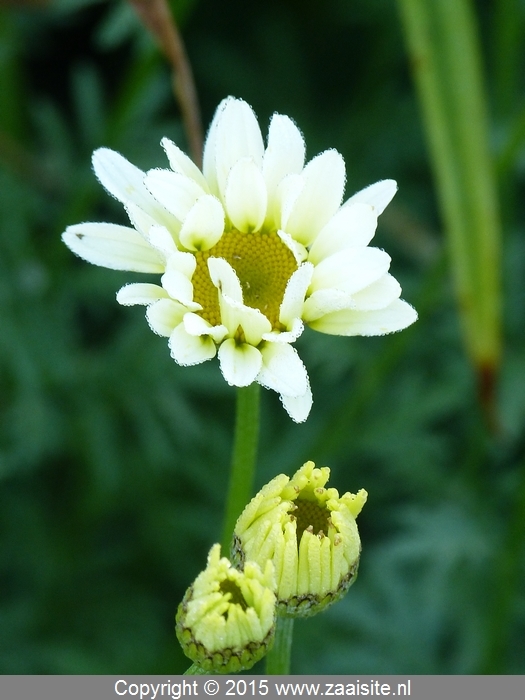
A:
(242, 469)
(243, 459)
(444, 48)
(278, 659)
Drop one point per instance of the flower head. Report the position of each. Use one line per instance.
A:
(310, 534)
(250, 249)
(226, 620)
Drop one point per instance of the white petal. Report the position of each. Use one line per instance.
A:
(245, 196)
(284, 155)
(140, 293)
(183, 262)
(189, 349)
(293, 300)
(326, 301)
(196, 325)
(121, 178)
(350, 270)
(142, 221)
(350, 227)
(378, 295)
(225, 278)
(240, 363)
(161, 239)
(164, 316)
(288, 190)
(379, 195)
(319, 199)
(282, 370)
(125, 182)
(177, 278)
(177, 193)
(299, 251)
(285, 151)
(298, 407)
(158, 236)
(204, 224)
(296, 327)
(252, 321)
(395, 317)
(113, 246)
(183, 164)
(179, 287)
(237, 136)
(209, 158)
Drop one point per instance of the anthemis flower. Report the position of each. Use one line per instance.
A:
(249, 250)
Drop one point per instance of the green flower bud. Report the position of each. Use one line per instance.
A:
(226, 620)
(309, 533)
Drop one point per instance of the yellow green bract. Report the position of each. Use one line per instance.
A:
(310, 534)
(226, 620)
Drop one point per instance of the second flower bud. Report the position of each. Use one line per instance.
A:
(310, 534)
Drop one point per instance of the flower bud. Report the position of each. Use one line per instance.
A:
(226, 620)
(309, 533)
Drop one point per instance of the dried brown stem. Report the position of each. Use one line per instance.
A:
(156, 15)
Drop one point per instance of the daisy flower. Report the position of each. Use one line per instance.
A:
(249, 250)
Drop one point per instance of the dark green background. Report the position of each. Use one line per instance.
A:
(114, 461)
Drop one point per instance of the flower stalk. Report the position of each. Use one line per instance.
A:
(278, 659)
(156, 15)
(244, 458)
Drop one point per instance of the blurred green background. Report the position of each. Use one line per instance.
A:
(114, 461)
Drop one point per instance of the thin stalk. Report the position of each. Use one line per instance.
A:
(244, 458)
(156, 15)
(278, 659)
(242, 472)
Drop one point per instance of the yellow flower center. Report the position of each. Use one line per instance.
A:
(236, 597)
(263, 264)
(311, 514)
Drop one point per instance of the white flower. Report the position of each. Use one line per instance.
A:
(249, 250)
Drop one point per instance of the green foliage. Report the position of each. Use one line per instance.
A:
(114, 461)
(445, 56)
